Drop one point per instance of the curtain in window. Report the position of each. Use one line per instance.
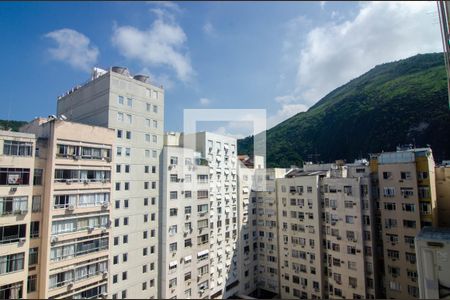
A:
(3, 264)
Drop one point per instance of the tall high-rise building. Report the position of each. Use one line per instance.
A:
(221, 154)
(184, 222)
(135, 110)
(408, 203)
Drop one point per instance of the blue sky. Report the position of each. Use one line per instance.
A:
(279, 56)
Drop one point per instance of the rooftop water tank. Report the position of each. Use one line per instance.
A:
(140, 77)
(121, 70)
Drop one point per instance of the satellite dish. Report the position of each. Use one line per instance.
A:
(63, 117)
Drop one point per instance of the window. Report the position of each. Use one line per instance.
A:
(155, 107)
(405, 175)
(124, 275)
(13, 205)
(37, 178)
(33, 256)
(349, 219)
(31, 283)
(11, 263)
(174, 160)
(389, 206)
(116, 259)
(173, 247)
(16, 148)
(125, 239)
(148, 107)
(127, 151)
(119, 151)
(14, 176)
(173, 212)
(172, 283)
(147, 137)
(120, 100)
(130, 102)
(120, 116)
(128, 135)
(409, 223)
(127, 186)
(34, 229)
(203, 194)
(129, 119)
(409, 207)
(125, 221)
(389, 191)
(173, 195)
(119, 133)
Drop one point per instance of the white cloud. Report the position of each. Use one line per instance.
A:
(286, 111)
(159, 79)
(381, 32)
(208, 28)
(204, 101)
(163, 44)
(167, 4)
(322, 4)
(336, 52)
(73, 48)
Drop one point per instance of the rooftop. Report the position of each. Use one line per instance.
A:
(434, 234)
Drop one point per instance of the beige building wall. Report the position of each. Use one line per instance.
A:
(135, 110)
(443, 194)
(75, 160)
(300, 236)
(16, 207)
(407, 203)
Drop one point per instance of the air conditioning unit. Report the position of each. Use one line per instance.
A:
(13, 190)
(105, 272)
(86, 181)
(68, 181)
(71, 207)
(54, 239)
(22, 240)
(77, 157)
(105, 204)
(70, 285)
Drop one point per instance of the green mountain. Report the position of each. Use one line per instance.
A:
(11, 124)
(402, 102)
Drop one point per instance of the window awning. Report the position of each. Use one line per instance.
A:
(188, 258)
(173, 263)
(201, 253)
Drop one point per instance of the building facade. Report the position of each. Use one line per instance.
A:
(184, 217)
(72, 181)
(135, 110)
(221, 154)
(19, 250)
(408, 203)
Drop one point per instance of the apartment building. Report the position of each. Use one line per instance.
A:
(70, 223)
(408, 203)
(443, 193)
(300, 235)
(221, 154)
(266, 231)
(248, 238)
(18, 250)
(184, 216)
(433, 266)
(134, 108)
(348, 232)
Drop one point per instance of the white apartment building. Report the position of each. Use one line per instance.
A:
(266, 233)
(134, 108)
(221, 154)
(185, 220)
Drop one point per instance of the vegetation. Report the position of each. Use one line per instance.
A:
(403, 102)
(11, 125)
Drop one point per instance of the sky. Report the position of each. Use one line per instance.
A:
(279, 56)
